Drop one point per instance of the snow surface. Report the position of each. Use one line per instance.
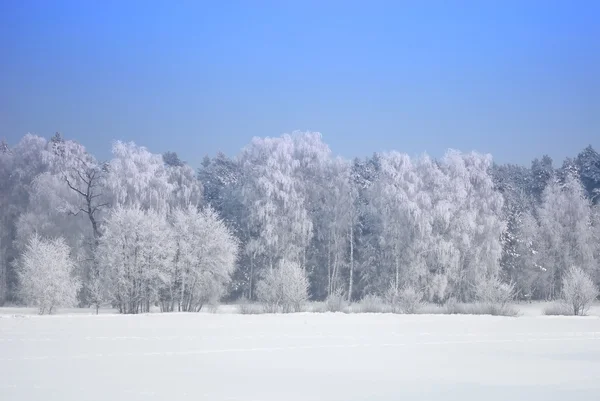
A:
(302, 356)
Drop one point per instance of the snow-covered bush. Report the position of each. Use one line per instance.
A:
(410, 300)
(371, 304)
(392, 298)
(46, 274)
(246, 307)
(406, 300)
(284, 288)
(251, 309)
(436, 289)
(453, 307)
(494, 297)
(336, 302)
(557, 309)
(495, 292)
(578, 290)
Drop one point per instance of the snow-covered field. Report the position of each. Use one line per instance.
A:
(302, 356)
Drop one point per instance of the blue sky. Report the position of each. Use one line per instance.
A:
(517, 79)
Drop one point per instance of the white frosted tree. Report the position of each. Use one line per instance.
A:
(19, 167)
(566, 236)
(69, 200)
(83, 179)
(334, 224)
(398, 198)
(205, 256)
(46, 275)
(284, 288)
(464, 248)
(136, 254)
(137, 177)
(276, 199)
(578, 290)
(185, 187)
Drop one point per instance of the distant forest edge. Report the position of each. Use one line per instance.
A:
(285, 218)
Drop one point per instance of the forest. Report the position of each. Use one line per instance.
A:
(285, 216)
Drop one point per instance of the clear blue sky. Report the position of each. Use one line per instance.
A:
(514, 78)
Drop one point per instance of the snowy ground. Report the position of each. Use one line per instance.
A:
(298, 357)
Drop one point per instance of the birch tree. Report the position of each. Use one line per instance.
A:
(566, 233)
(137, 177)
(136, 253)
(46, 275)
(275, 200)
(205, 256)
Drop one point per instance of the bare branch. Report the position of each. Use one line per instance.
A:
(75, 189)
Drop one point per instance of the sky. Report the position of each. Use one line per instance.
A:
(517, 79)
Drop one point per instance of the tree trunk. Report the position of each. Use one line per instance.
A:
(351, 279)
(335, 266)
(251, 277)
(397, 272)
(329, 266)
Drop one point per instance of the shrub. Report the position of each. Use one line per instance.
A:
(46, 274)
(410, 300)
(578, 291)
(250, 309)
(494, 298)
(212, 307)
(371, 304)
(392, 298)
(407, 300)
(336, 302)
(431, 309)
(436, 290)
(283, 289)
(557, 309)
(453, 307)
(496, 292)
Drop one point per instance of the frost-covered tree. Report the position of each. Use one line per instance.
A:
(588, 166)
(136, 254)
(46, 274)
(578, 290)
(543, 173)
(464, 246)
(172, 159)
(205, 256)
(519, 248)
(284, 288)
(332, 210)
(398, 199)
(364, 174)
(566, 233)
(19, 166)
(276, 199)
(82, 175)
(137, 177)
(67, 200)
(221, 180)
(185, 187)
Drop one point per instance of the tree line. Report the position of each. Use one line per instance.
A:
(145, 229)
